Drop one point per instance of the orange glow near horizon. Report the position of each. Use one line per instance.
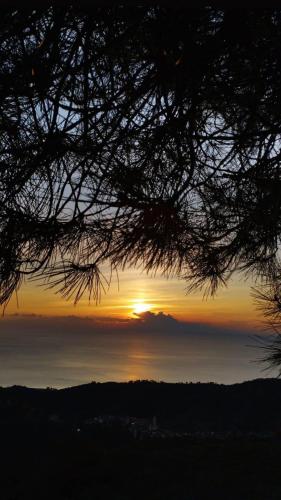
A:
(136, 293)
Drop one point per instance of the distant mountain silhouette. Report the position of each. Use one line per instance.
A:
(249, 406)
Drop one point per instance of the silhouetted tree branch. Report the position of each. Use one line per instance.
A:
(139, 135)
(268, 299)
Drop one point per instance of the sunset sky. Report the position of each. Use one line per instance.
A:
(140, 135)
(47, 341)
(135, 291)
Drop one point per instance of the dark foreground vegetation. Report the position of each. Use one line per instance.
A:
(142, 440)
(64, 466)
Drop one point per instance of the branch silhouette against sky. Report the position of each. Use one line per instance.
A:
(139, 135)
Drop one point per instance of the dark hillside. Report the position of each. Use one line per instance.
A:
(53, 448)
(250, 406)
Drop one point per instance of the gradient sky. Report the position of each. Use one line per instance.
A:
(47, 341)
(135, 290)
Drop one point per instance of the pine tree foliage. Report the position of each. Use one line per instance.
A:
(139, 135)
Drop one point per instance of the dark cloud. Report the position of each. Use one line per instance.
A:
(159, 321)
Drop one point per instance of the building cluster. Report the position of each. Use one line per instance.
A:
(138, 427)
(142, 428)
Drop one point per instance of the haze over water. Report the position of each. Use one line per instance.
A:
(40, 351)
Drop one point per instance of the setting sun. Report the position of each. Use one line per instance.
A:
(140, 306)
